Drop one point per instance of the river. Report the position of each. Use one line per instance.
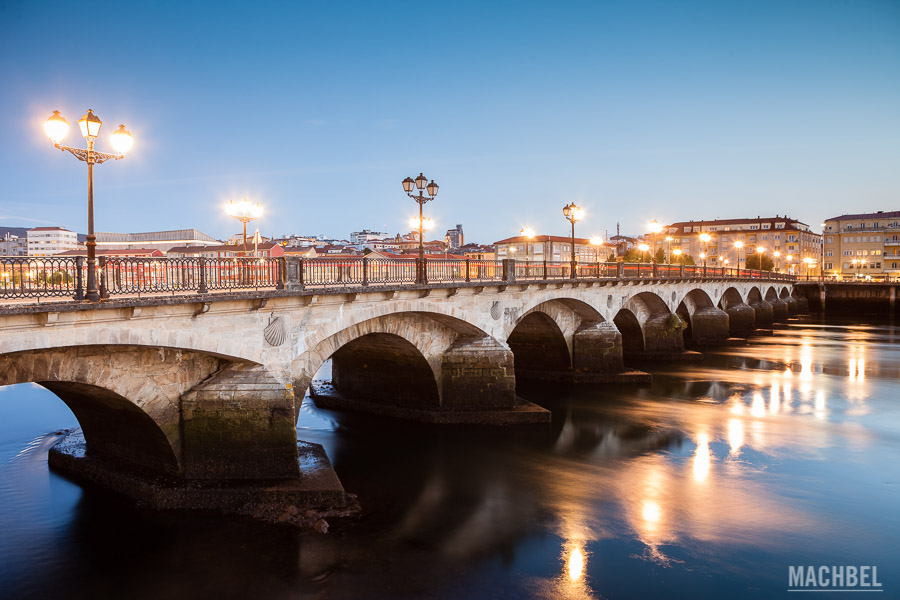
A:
(709, 483)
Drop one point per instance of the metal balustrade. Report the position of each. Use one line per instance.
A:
(38, 277)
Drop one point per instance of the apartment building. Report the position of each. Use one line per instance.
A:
(47, 241)
(798, 249)
(552, 248)
(863, 245)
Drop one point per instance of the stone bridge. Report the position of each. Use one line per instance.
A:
(207, 388)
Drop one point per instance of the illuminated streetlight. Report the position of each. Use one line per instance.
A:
(677, 253)
(573, 213)
(421, 182)
(596, 242)
(705, 238)
(776, 254)
(56, 128)
(528, 233)
(739, 245)
(643, 248)
(654, 228)
(244, 212)
(760, 250)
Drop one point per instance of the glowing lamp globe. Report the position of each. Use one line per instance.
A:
(56, 127)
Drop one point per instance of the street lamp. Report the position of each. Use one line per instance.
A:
(528, 233)
(655, 228)
(244, 212)
(790, 263)
(776, 254)
(739, 245)
(760, 250)
(677, 253)
(596, 242)
(668, 248)
(822, 251)
(643, 248)
(421, 182)
(808, 261)
(56, 128)
(705, 237)
(573, 213)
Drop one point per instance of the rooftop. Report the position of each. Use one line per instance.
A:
(174, 235)
(749, 220)
(894, 214)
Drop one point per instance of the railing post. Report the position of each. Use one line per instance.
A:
(79, 283)
(424, 271)
(509, 270)
(655, 271)
(467, 271)
(365, 280)
(104, 293)
(279, 285)
(545, 268)
(294, 273)
(202, 289)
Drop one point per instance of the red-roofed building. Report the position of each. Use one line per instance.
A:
(552, 248)
(264, 250)
(136, 252)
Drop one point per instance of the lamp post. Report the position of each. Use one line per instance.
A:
(808, 261)
(528, 233)
(573, 213)
(644, 248)
(705, 237)
(244, 212)
(421, 182)
(655, 228)
(776, 254)
(760, 250)
(596, 242)
(739, 245)
(56, 128)
(677, 253)
(790, 263)
(668, 248)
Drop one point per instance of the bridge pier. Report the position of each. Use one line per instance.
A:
(802, 305)
(597, 348)
(709, 326)
(239, 424)
(764, 313)
(793, 306)
(662, 340)
(779, 310)
(741, 319)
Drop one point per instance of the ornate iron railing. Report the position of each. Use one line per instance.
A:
(38, 277)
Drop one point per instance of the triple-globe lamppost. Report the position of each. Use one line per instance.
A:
(573, 213)
(56, 128)
(422, 184)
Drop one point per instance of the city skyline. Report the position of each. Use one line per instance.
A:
(636, 112)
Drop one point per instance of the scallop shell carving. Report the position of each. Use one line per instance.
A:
(275, 332)
(495, 310)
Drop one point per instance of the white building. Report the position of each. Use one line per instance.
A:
(47, 241)
(367, 236)
(13, 245)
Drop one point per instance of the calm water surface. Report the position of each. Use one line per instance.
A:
(707, 484)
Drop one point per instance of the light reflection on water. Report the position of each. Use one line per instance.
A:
(716, 477)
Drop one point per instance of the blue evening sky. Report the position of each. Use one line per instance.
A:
(636, 110)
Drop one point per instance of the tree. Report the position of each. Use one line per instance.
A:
(753, 262)
(367, 251)
(636, 256)
(660, 256)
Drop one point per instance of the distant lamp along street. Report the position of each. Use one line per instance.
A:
(573, 214)
(56, 128)
(409, 185)
(244, 212)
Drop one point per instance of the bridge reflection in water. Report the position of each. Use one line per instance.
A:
(714, 477)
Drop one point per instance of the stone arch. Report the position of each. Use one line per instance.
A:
(730, 297)
(754, 296)
(569, 315)
(632, 334)
(771, 294)
(538, 344)
(384, 367)
(126, 398)
(659, 335)
(405, 338)
(704, 323)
